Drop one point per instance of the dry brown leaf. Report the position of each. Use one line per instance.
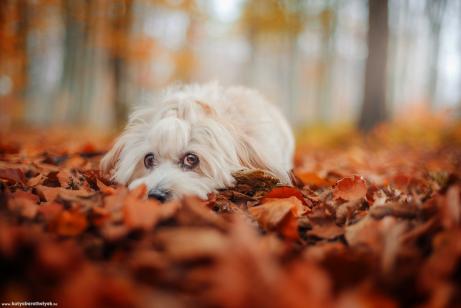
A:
(23, 203)
(326, 231)
(279, 214)
(105, 188)
(69, 223)
(140, 213)
(364, 297)
(37, 180)
(365, 232)
(115, 202)
(450, 208)
(47, 193)
(350, 188)
(12, 175)
(311, 178)
(258, 179)
(395, 209)
(285, 192)
(181, 244)
(50, 210)
(52, 193)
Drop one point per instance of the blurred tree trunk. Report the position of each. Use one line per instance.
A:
(70, 109)
(374, 102)
(399, 54)
(121, 25)
(44, 53)
(291, 86)
(435, 11)
(14, 28)
(328, 21)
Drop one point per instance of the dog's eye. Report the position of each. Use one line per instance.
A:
(149, 160)
(190, 161)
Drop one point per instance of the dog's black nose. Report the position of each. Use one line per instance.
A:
(159, 195)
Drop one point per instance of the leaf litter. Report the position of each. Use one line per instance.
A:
(366, 224)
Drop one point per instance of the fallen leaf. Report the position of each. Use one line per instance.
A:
(52, 193)
(450, 208)
(181, 244)
(326, 231)
(311, 178)
(105, 188)
(12, 175)
(365, 232)
(66, 178)
(365, 296)
(37, 180)
(23, 203)
(258, 179)
(401, 181)
(350, 188)
(396, 209)
(69, 223)
(114, 201)
(50, 210)
(280, 214)
(140, 213)
(48, 193)
(285, 192)
(347, 211)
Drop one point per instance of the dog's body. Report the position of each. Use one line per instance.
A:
(195, 137)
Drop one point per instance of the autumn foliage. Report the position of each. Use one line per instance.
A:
(369, 223)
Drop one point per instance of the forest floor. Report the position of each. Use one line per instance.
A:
(373, 221)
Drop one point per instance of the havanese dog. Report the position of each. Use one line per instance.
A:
(195, 137)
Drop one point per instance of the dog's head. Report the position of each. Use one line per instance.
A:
(180, 147)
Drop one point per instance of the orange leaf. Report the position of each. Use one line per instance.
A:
(100, 215)
(19, 194)
(140, 213)
(326, 231)
(284, 192)
(50, 210)
(350, 188)
(105, 188)
(12, 175)
(289, 227)
(139, 192)
(51, 193)
(69, 223)
(311, 178)
(280, 215)
(88, 148)
(48, 193)
(23, 203)
(401, 181)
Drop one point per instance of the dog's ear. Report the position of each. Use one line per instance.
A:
(110, 160)
(253, 158)
(118, 163)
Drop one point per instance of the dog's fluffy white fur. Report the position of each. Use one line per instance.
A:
(229, 129)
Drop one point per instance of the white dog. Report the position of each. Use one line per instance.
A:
(195, 137)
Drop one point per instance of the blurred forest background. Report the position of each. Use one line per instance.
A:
(89, 62)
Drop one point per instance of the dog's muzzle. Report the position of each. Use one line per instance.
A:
(159, 195)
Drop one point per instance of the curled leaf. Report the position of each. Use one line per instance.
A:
(279, 214)
(285, 192)
(350, 188)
